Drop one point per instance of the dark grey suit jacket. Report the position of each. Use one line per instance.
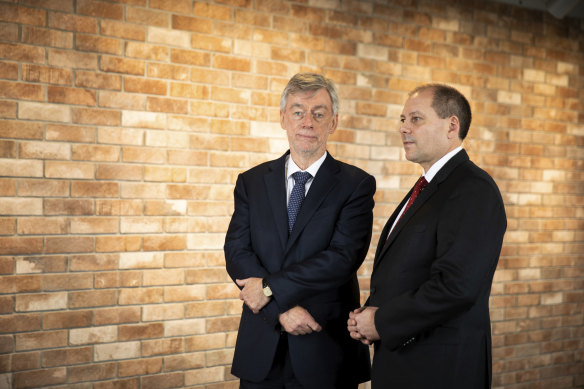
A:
(315, 267)
(432, 281)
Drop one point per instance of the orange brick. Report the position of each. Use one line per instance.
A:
(98, 44)
(9, 32)
(70, 133)
(167, 380)
(94, 225)
(69, 244)
(106, 316)
(46, 74)
(42, 264)
(72, 356)
(47, 37)
(58, 320)
(19, 245)
(28, 379)
(89, 79)
(145, 16)
(141, 331)
(143, 154)
(119, 172)
(39, 226)
(37, 340)
(206, 308)
(92, 372)
(68, 207)
(7, 227)
(123, 30)
(72, 22)
(147, 51)
(118, 207)
(173, 72)
(13, 90)
(25, 361)
(189, 57)
(96, 116)
(142, 366)
(185, 361)
(94, 189)
(122, 65)
(72, 59)
(144, 85)
(141, 296)
(20, 323)
(96, 153)
(100, 9)
(212, 11)
(184, 293)
(95, 298)
(165, 174)
(159, 104)
(8, 109)
(162, 346)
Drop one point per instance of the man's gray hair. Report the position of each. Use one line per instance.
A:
(311, 82)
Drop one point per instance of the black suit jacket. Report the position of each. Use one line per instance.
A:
(315, 267)
(432, 281)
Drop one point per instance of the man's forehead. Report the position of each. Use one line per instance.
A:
(417, 103)
(301, 99)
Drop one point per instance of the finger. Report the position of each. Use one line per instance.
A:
(312, 325)
(241, 282)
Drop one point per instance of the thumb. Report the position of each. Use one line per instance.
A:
(314, 325)
(241, 282)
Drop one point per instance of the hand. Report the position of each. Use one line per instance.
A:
(298, 321)
(252, 294)
(361, 325)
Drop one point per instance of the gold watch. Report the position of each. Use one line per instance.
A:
(266, 287)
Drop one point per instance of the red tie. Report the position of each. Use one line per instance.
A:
(420, 185)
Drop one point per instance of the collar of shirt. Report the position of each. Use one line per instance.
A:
(434, 169)
(431, 173)
(292, 168)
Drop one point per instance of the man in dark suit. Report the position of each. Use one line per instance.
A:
(295, 259)
(428, 313)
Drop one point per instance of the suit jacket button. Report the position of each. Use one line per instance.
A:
(372, 291)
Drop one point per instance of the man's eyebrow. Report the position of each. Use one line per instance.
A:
(410, 114)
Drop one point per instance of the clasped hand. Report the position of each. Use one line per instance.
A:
(295, 321)
(252, 293)
(361, 325)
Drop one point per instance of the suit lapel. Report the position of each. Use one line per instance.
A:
(275, 181)
(426, 194)
(322, 184)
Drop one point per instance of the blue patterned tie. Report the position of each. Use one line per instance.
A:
(296, 197)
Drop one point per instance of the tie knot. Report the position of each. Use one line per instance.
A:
(421, 184)
(301, 177)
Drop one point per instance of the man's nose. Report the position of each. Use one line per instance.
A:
(307, 120)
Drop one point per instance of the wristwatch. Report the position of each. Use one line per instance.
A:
(266, 287)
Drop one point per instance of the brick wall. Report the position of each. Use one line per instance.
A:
(123, 125)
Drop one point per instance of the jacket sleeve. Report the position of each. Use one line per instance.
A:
(240, 259)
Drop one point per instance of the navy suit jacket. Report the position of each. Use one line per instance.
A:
(315, 267)
(432, 280)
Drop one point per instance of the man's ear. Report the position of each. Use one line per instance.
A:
(453, 127)
(282, 120)
(334, 124)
